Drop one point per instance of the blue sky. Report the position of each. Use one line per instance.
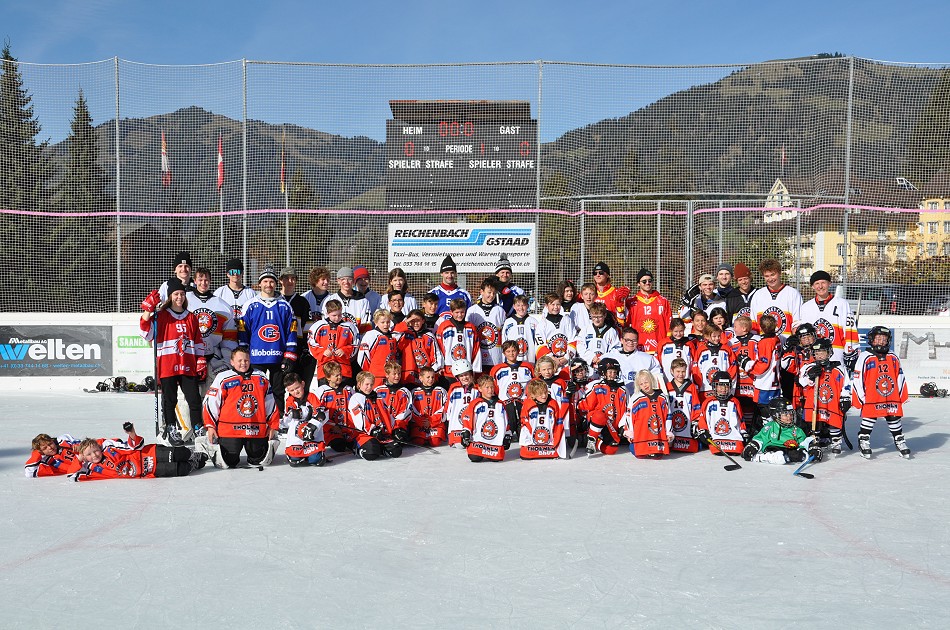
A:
(633, 32)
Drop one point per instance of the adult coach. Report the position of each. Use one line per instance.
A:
(777, 299)
(610, 296)
(507, 290)
(649, 312)
(737, 302)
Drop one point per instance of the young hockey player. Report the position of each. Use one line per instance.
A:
(880, 391)
(697, 325)
(449, 289)
(485, 434)
(826, 383)
(742, 342)
(332, 341)
(98, 460)
(605, 402)
(240, 413)
(398, 282)
(215, 321)
(575, 392)
(319, 281)
(235, 294)
(458, 339)
(761, 362)
(649, 312)
(430, 309)
(355, 305)
(511, 378)
(720, 418)
(304, 421)
(381, 346)
(717, 317)
(361, 281)
(459, 395)
(676, 346)
(421, 349)
(397, 400)
(427, 425)
(555, 332)
(520, 327)
(647, 424)
(543, 424)
(684, 408)
(580, 310)
(368, 416)
(333, 398)
(597, 337)
(797, 353)
(780, 441)
(832, 319)
(631, 359)
(777, 299)
(51, 456)
(711, 358)
(488, 317)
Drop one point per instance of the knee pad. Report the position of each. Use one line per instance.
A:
(272, 446)
(370, 450)
(476, 458)
(298, 461)
(393, 449)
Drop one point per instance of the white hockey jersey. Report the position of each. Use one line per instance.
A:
(784, 305)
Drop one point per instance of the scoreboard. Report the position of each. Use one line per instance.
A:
(461, 155)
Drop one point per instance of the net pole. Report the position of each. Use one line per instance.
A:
(286, 226)
(721, 260)
(583, 261)
(537, 181)
(847, 172)
(221, 223)
(118, 197)
(244, 159)
(798, 245)
(659, 206)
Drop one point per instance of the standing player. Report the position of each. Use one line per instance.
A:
(215, 321)
(458, 339)
(833, 397)
(705, 300)
(712, 360)
(522, 328)
(880, 391)
(361, 281)
(355, 306)
(610, 296)
(422, 349)
(677, 346)
(511, 378)
(319, 281)
(737, 302)
(777, 299)
(596, 338)
(797, 352)
(333, 341)
(234, 293)
(182, 267)
(831, 316)
(305, 365)
(507, 289)
(649, 312)
(398, 282)
(380, 346)
(555, 332)
(449, 290)
(488, 318)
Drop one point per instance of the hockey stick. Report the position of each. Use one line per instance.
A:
(798, 471)
(734, 465)
(428, 448)
(814, 405)
(155, 364)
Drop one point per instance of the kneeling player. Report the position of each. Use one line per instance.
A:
(368, 416)
(684, 408)
(485, 434)
(647, 423)
(780, 441)
(305, 442)
(426, 427)
(543, 421)
(720, 420)
(605, 403)
(96, 461)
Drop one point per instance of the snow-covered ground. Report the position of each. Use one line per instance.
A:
(434, 541)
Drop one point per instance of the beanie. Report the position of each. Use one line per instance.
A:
(819, 275)
(742, 271)
(503, 264)
(181, 257)
(268, 272)
(448, 265)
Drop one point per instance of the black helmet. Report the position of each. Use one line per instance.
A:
(722, 378)
(822, 344)
(577, 363)
(928, 390)
(608, 363)
(881, 349)
(782, 411)
(806, 329)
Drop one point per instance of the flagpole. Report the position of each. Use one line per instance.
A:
(220, 173)
(283, 189)
(221, 209)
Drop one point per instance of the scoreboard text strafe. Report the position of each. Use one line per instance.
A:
(461, 155)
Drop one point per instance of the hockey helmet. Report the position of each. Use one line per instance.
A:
(805, 330)
(822, 345)
(881, 348)
(782, 411)
(608, 363)
(149, 383)
(928, 390)
(577, 363)
(461, 366)
(722, 385)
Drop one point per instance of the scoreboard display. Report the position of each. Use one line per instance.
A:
(461, 155)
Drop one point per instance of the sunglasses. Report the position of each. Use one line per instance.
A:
(646, 282)
(600, 273)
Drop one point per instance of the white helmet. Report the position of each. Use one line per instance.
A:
(461, 366)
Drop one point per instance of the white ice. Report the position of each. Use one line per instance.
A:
(434, 541)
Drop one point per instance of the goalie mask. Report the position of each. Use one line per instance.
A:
(722, 386)
(782, 411)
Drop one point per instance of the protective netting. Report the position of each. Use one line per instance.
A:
(671, 168)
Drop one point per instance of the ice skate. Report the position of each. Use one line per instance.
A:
(864, 443)
(901, 444)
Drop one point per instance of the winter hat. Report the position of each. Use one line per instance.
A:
(287, 272)
(819, 275)
(448, 265)
(602, 266)
(344, 272)
(174, 284)
(234, 263)
(268, 272)
(725, 267)
(742, 271)
(503, 264)
(360, 271)
(644, 272)
(181, 257)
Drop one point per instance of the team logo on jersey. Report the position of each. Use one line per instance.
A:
(541, 435)
(247, 406)
(884, 385)
(824, 329)
(722, 427)
(489, 430)
(350, 317)
(790, 443)
(458, 352)
(522, 347)
(515, 390)
(745, 311)
(648, 326)
(269, 333)
(653, 424)
(825, 394)
(780, 318)
(679, 420)
(419, 355)
(711, 374)
(489, 334)
(207, 320)
(558, 344)
(609, 410)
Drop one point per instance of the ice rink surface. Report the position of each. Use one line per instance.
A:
(434, 541)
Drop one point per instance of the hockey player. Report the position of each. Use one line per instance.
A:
(333, 398)
(511, 378)
(796, 353)
(706, 299)
(268, 328)
(484, 434)
(826, 383)
(459, 395)
(182, 266)
(761, 361)
(777, 299)
(449, 290)
(397, 282)
(555, 332)
(522, 328)
(180, 357)
(488, 317)
(597, 337)
(381, 346)
(831, 316)
(240, 413)
(98, 461)
(333, 341)
(51, 456)
(305, 364)
(605, 402)
(742, 342)
(632, 360)
(711, 359)
(458, 338)
(610, 296)
(234, 293)
(880, 391)
(780, 441)
(543, 424)
(647, 423)
(355, 306)
(215, 321)
(684, 408)
(580, 310)
(304, 421)
(421, 350)
(676, 346)
(737, 302)
(507, 289)
(427, 426)
(720, 419)
(368, 416)
(361, 282)
(397, 400)
(575, 392)
(319, 281)
(649, 312)
(697, 324)
(430, 310)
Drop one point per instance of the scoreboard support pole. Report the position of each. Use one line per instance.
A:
(537, 176)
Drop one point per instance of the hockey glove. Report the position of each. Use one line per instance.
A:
(287, 365)
(376, 431)
(850, 360)
(201, 369)
(815, 452)
(127, 427)
(466, 438)
(150, 303)
(751, 450)
(795, 455)
(306, 431)
(844, 404)
(506, 441)
(791, 343)
(295, 414)
(400, 435)
(741, 359)
(814, 372)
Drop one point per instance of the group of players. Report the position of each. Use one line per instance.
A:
(762, 374)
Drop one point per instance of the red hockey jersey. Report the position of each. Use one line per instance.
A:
(543, 428)
(241, 406)
(179, 342)
(878, 386)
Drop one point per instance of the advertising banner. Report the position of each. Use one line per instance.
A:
(55, 350)
(475, 247)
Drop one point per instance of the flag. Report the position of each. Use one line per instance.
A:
(283, 188)
(166, 170)
(220, 165)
